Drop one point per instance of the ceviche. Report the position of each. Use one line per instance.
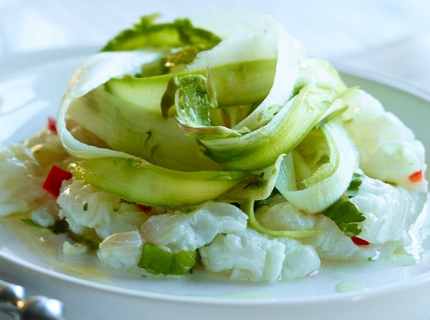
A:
(216, 142)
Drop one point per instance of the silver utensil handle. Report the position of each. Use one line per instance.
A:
(13, 301)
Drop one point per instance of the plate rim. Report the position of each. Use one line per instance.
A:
(379, 77)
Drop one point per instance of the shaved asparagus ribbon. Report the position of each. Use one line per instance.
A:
(107, 65)
(95, 72)
(329, 182)
(257, 186)
(267, 40)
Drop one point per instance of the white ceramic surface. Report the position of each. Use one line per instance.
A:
(30, 93)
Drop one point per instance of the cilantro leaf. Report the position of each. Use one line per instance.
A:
(346, 216)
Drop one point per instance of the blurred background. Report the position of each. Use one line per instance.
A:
(386, 36)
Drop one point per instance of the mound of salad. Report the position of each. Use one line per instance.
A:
(215, 142)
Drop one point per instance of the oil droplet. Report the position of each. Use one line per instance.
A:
(350, 285)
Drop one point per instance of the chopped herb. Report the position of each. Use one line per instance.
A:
(93, 244)
(86, 206)
(346, 216)
(60, 226)
(354, 185)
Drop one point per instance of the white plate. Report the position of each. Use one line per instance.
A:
(28, 95)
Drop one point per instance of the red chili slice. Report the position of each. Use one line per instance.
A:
(416, 176)
(52, 125)
(359, 242)
(55, 178)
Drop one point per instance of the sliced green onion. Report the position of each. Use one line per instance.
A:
(156, 260)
